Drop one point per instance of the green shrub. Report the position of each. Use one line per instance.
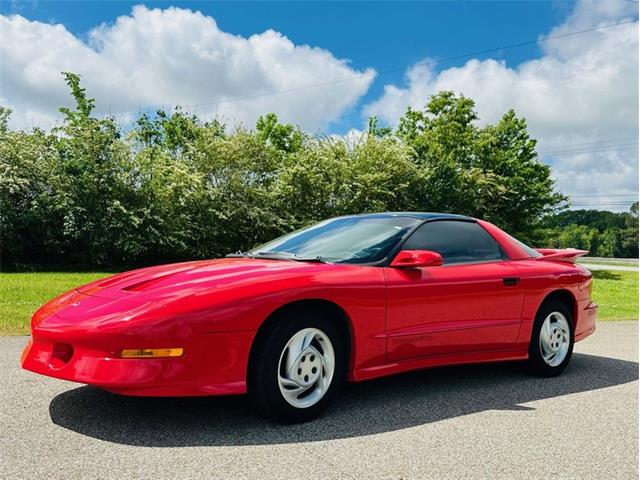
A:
(175, 188)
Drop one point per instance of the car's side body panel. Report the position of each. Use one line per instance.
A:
(452, 309)
(540, 278)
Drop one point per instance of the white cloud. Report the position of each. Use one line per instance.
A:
(580, 95)
(156, 57)
(352, 138)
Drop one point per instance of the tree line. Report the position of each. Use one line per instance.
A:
(174, 187)
(602, 233)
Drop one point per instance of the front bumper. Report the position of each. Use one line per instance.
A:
(212, 364)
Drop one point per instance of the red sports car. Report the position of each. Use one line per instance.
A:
(354, 297)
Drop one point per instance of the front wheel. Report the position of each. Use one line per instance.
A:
(296, 368)
(551, 340)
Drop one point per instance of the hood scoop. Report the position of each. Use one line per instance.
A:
(139, 286)
(135, 281)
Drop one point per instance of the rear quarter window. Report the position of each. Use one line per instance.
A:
(456, 241)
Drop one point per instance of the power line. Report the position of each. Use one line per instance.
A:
(582, 175)
(561, 153)
(397, 69)
(606, 199)
(632, 195)
(584, 202)
(612, 140)
(587, 150)
(598, 198)
(422, 63)
(610, 204)
(598, 145)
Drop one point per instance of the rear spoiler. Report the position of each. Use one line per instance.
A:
(568, 255)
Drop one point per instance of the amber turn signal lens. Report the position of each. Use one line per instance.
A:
(152, 352)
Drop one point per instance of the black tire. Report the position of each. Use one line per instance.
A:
(536, 363)
(262, 377)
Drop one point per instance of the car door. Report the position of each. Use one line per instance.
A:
(473, 302)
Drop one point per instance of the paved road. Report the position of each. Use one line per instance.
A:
(467, 422)
(597, 266)
(611, 260)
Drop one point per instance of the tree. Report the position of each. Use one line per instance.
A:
(578, 236)
(599, 219)
(174, 187)
(612, 233)
(374, 130)
(629, 247)
(29, 223)
(610, 244)
(5, 114)
(491, 172)
(632, 217)
(89, 185)
(283, 137)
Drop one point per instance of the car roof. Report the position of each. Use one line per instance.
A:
(419, 215)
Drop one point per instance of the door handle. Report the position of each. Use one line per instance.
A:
(510, 281)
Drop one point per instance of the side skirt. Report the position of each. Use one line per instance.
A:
(391, 368)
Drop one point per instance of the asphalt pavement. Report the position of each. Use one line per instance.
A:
(598, 266)
(490, 421)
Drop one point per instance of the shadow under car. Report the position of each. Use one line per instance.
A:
(377, 406)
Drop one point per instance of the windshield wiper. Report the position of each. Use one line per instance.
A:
(277, 256)
(289, 256)
(316, 259)
(238, 254)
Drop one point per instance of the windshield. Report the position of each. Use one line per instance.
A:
(343, 240)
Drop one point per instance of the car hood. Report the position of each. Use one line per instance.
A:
(141, 294)
(165, 280)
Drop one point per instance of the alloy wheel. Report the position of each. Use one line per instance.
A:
(306, 367)
(555, 339)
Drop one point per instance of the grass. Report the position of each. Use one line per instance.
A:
(616, 293)
(22, 293)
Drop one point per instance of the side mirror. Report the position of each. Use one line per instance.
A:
(417, 258)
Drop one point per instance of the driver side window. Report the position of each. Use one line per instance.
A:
(456, 241)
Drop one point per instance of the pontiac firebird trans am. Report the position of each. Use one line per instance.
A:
(354, 297)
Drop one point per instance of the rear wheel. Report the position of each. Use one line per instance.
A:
(296, 367)
(552, 340)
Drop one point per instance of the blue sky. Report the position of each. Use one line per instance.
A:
(327, 60)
